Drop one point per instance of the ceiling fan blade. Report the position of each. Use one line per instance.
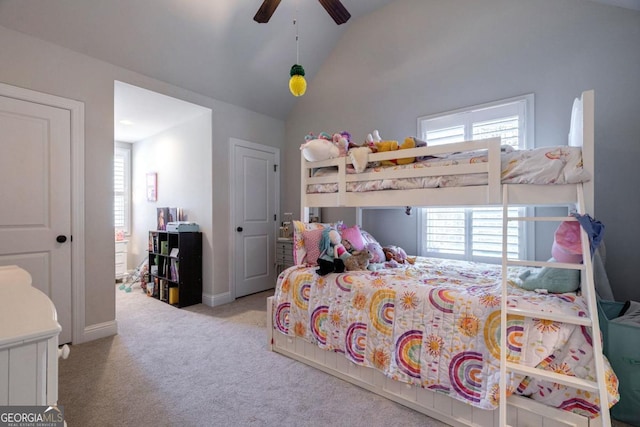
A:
(337, 11)
(266, 10)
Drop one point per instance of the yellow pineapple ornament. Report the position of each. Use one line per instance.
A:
(297, 83)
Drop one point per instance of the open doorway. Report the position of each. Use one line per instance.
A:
(169, 139)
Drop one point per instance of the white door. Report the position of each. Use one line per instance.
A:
(35, 198)
(255, 217)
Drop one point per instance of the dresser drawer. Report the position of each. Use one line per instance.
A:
(284, 254)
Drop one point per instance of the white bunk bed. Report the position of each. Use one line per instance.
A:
(521, 411)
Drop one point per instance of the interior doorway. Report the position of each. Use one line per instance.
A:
(168, 138)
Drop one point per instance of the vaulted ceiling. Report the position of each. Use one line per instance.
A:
(212, 47)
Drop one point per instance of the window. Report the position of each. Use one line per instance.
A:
(475, 234)
(122, 187)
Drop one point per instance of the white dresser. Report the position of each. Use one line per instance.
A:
(121, 258)
(28, 342)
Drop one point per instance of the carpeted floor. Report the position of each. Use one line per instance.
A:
(203, 366)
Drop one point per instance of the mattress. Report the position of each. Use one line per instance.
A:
(543, 166)
(436, 324)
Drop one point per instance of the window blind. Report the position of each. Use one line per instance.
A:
(121, 189)
(474, 233)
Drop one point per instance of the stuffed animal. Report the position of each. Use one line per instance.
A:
(324, 146)
(342, 143)
(373, 137)
(566, 248)
(332, 253)
(549, 279)
(359, 260)
(383, 146)
(397, 254)
(319, 149)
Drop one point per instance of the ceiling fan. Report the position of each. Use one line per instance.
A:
(337, 11)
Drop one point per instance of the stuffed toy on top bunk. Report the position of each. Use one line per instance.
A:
(325, 146)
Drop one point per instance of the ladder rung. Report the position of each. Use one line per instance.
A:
(537, 314)
(542, 218)
(567, 380)
(524, 263)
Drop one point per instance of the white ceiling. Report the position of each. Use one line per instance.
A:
(141, 113)
(212, 47)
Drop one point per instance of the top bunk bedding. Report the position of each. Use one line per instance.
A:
(467, 173)
(541, 166)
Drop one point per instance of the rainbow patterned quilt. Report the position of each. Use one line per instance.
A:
(436, 324)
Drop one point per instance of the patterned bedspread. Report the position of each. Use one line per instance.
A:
(436, 324)
(545, 166)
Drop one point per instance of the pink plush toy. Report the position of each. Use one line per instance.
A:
(567, 245)
(342, 143)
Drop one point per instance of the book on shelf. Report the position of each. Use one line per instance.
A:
(153, 242)
(164, 247)
(173, 295)
(173, 215)
(162, 214)
(174, 270)
(164, 290)
(166, 215)
(174, 253)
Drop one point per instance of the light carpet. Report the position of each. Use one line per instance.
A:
(207, 366)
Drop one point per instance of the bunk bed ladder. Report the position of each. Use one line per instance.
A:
(588, 291)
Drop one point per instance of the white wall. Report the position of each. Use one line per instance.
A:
(180, 157)
(419, 57)
(38, 65)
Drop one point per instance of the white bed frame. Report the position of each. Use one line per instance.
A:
(489, 194)
(521, 411)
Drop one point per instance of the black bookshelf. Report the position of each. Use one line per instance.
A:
(175, 267)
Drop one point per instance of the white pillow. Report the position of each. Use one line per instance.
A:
(575, 130)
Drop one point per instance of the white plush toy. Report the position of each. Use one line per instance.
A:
(315, 150)
(374, 137)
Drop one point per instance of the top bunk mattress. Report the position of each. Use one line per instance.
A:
(542, 166)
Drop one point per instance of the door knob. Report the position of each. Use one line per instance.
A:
(61, 239)
(239, 229)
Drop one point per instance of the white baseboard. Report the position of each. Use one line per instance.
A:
(217, 299)
(97, 331)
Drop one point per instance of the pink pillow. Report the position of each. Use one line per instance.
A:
(312, 245)
(353, 235)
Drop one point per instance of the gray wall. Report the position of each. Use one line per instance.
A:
(181, 156)
(38, 65)
(419, 57)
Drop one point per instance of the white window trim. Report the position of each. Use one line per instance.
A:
(125, 149)
(524, 106)
(527, 128)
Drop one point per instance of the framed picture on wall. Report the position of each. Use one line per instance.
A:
(152, 186)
